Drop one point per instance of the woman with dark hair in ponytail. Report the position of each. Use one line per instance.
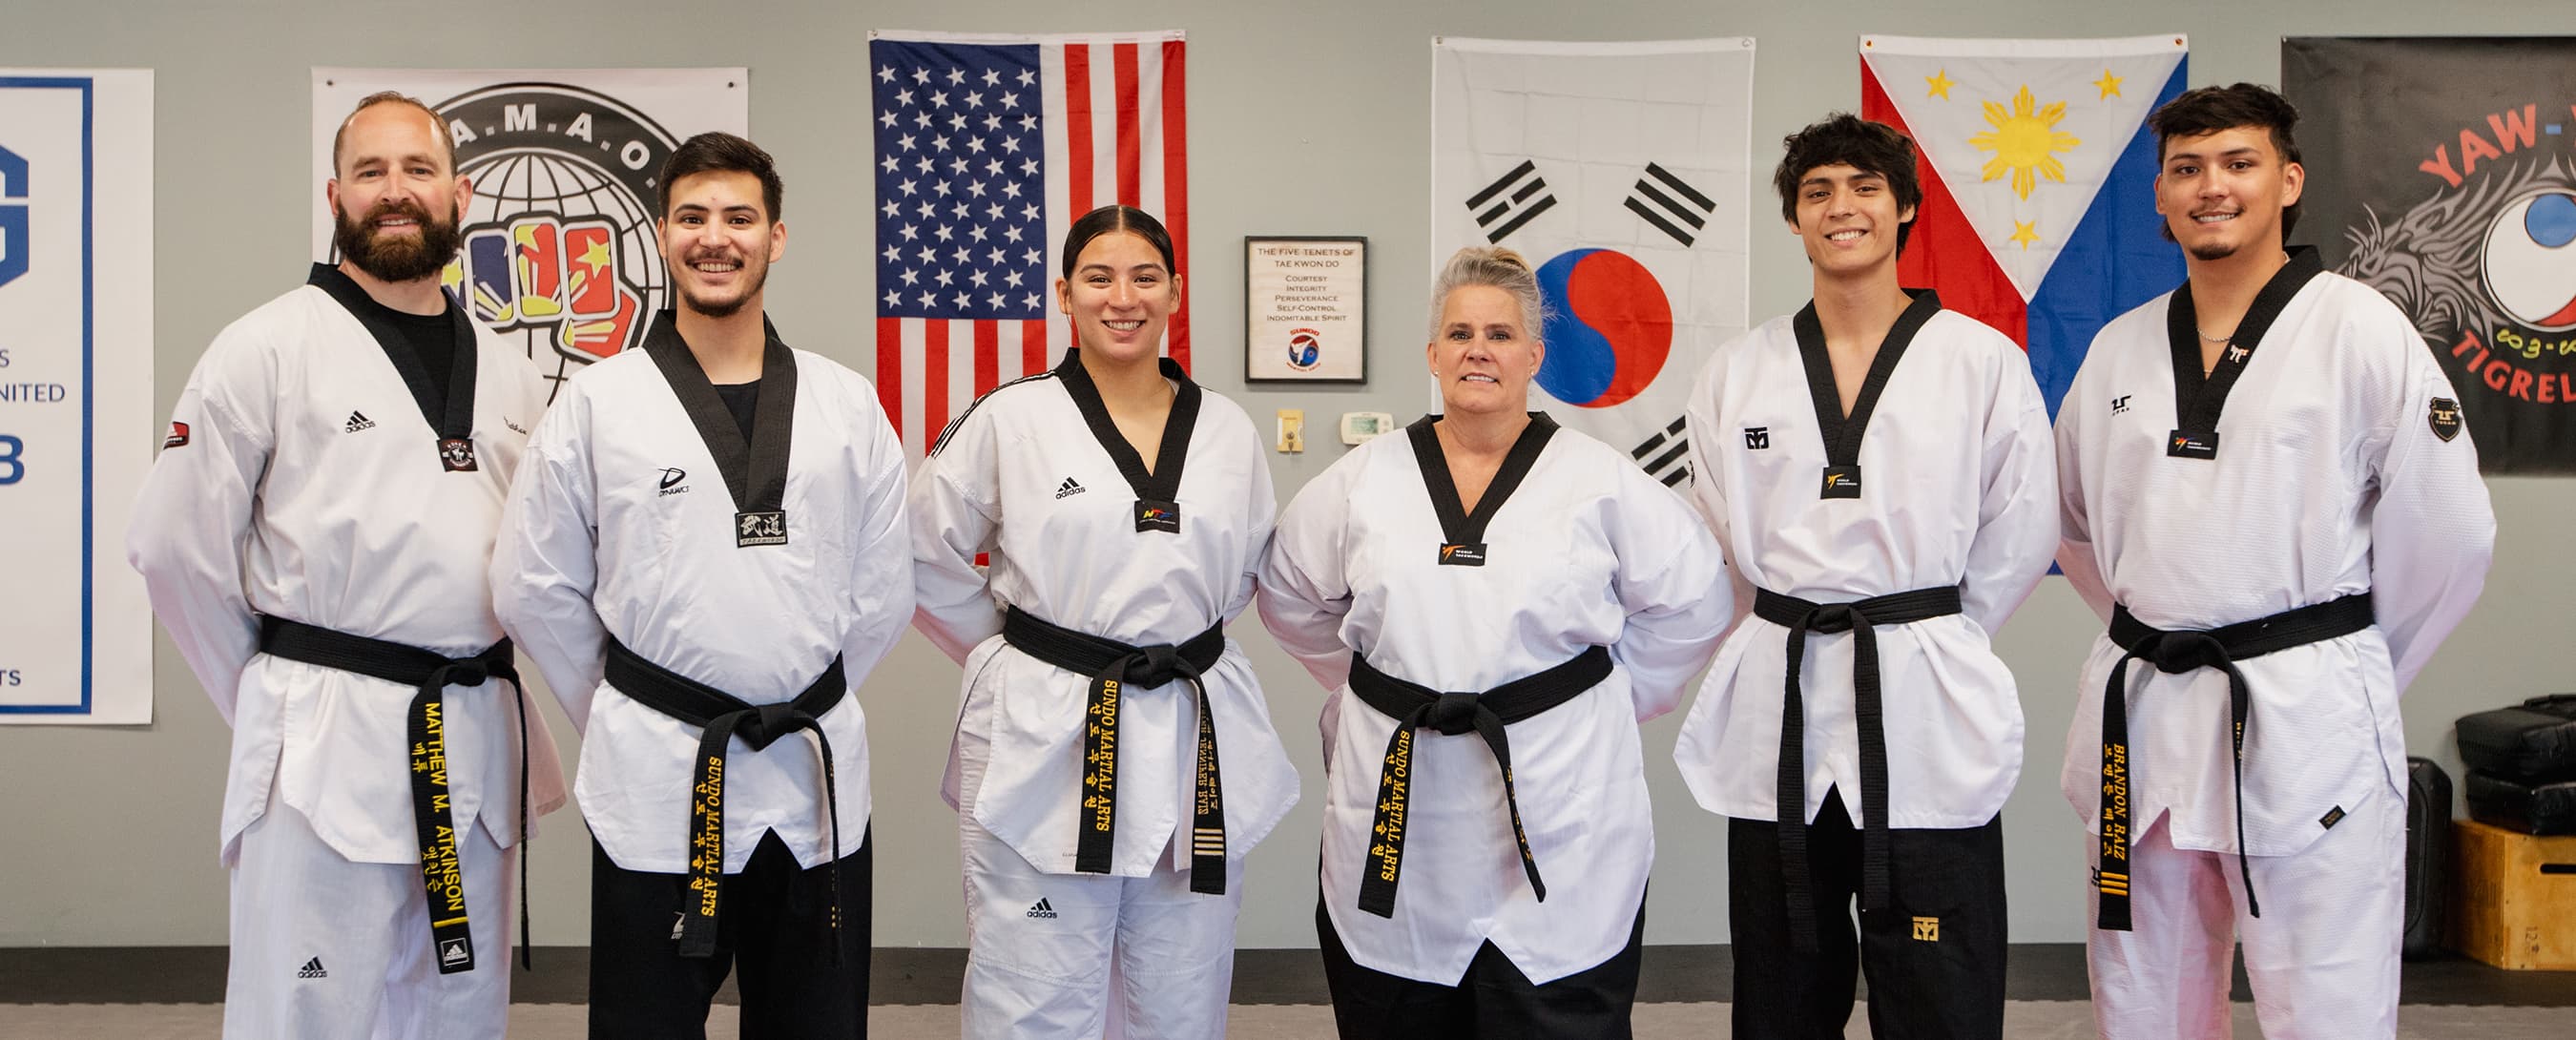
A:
(1114, 759)
(1569, 596)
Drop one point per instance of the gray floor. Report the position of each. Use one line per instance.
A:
(2024, 1020)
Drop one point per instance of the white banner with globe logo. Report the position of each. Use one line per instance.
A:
(1622, 171)
(558, 251)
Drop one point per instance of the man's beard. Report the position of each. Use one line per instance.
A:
(397, 259)
(2215, 251)
(727, 308)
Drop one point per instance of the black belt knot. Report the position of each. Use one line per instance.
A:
(720, 717)
(1453, 714)
(1830, 618)
(1159, 664)
(2174, 653)
(1413, 706)
(1113, 666)
(1789, 809)
(428, 673)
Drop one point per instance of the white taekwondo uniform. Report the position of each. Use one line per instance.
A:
(1956, 505)
(302, 481)
(623, 527)
(2340, 468)
(1585, 551)
(1037, 478)
(1959, 489)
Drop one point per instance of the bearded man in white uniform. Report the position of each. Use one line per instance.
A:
(706, 555)
(2267, 492)
(1879, 472)
(315, 536)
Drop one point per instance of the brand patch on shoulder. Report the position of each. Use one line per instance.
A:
(2444, 416)
(2333, 816)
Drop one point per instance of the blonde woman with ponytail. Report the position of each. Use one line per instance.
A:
(1496, 603)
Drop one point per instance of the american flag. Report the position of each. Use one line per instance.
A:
(987, 149)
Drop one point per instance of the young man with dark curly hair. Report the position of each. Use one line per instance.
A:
(1879, 473)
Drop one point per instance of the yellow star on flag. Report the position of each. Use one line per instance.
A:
(2025, 234)
(2109, 83)
(1941, 84)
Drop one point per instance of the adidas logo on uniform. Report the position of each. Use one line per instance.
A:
(1068, 489)
(312, 969)
(1041, 909)
(358, 421)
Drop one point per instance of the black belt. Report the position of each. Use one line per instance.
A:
(1453, 714)
(441, 872)
(2175, 653)
(1113, 666)
(723, 716)
(1869, 717)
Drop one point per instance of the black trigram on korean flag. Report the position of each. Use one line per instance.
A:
(1511, 201)
(1655, 199)
(1666, 455)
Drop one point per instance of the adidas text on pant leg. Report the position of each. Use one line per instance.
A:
(325, 949)
(1039, 945)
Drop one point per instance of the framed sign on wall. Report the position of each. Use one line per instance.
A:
(1305, 304)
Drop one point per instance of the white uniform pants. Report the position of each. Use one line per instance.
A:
(327, 949)
(2323, 958)
(1048, 950)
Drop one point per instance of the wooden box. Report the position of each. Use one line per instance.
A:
(2514, 897)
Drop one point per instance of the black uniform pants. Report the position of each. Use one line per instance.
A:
(1934, 957)
(775, 926)
(1493, 1002)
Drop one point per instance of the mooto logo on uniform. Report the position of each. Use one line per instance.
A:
(558, 249)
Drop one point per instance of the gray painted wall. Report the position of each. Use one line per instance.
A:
(110, 832)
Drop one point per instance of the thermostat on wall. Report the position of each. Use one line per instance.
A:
(1360, 426)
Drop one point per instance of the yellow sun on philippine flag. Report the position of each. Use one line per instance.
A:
(2024, 142)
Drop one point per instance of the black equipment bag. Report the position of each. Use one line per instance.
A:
(2529, 808)
(2428, 856)
(2534, 743)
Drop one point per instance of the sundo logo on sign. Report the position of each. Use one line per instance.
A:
(13, 215)
(558, 241)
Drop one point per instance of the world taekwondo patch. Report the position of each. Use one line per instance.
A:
(178, 437)
(2444, 415)
(1840, 482)
(2183, 444)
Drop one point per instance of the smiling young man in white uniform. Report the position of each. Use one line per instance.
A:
(706, 555)
(1880, 474)
(2269, 494)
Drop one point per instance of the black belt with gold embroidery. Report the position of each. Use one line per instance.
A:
(1868, 716)
(722, 716)
(2175, 653)
(1113, 666)
(1454, 714)
(430, 673)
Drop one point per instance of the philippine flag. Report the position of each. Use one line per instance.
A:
(2038, 170)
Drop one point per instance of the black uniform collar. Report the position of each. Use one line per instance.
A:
(455, 420)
